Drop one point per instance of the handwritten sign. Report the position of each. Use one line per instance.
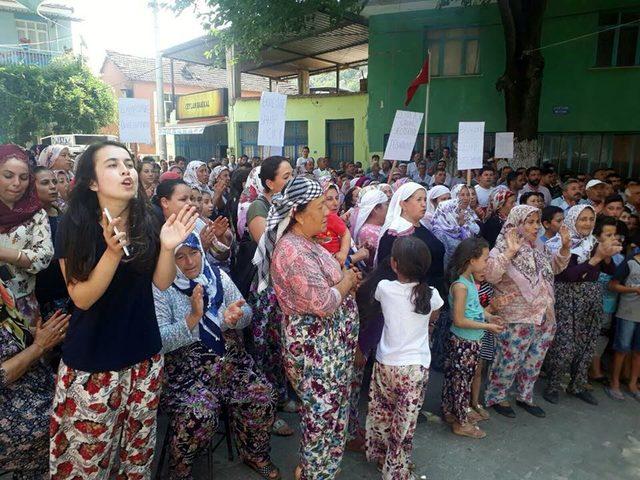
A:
(470, 145)
(272, 119)
(135, 120)
(404, 132)
(504, 145)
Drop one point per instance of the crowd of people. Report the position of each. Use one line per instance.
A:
(132, 289)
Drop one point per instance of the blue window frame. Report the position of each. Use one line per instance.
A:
(619, 43)
(295, 137)
(454, 51)
(339, 141)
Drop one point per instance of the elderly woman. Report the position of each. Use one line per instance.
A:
(521, 270)
(219, 182)
(320, 322)
(578, 304)
(25, 236)
(197, 175)
(206, 364)
(464, 195)
(501, 201)
(435, 195)
(56, 158)
(26, 389)
(450, 226)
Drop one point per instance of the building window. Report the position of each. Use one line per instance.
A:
(454, 51)
(618, 46)
(35, 34)
(295, 137)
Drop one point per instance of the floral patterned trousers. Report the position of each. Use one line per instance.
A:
(520, 351)
(578, 316)
(459, 369)
(267, 343)
(396, 397)
(318, 361)
(96, 415)
(196, 384)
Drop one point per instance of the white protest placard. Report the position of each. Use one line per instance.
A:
(135, 120)
(272, 119)
(504, 145)
(470, 145)
(402, 139)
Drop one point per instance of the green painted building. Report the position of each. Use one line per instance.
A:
(590, 105)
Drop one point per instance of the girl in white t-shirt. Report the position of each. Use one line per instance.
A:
(401, 369)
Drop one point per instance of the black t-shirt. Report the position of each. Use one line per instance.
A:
(50, 284)
(436, 248)
(490, 229)
(120, 329)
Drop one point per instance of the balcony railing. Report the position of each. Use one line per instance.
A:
(26, 55)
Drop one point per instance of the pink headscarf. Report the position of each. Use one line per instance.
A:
(27, 206)
(49, 155)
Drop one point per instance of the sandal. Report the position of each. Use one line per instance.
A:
(265, 471)
(482, 412)
(297, 472)
(290, 406)
(281, 428)
(468, 430)
(475, 417)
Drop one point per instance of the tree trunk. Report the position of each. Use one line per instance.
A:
(521, 82)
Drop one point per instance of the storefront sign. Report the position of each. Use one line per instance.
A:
(212, 103)
(560, 110)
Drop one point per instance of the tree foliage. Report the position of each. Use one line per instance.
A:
(252, 24)
(62, 97)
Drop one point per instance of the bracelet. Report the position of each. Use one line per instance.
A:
(19, 256)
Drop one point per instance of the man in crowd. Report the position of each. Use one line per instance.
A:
(386, 168)
(431, 161)
(181, 162)
(376, 175)
(600, 174)
(596, 192)
(633, 196)
(515, 181)
(533, 175)
(502, 177)
(439, 178)
(309, 168)
(448, 161)
(485, 186)
(613, 206)
(549, 179)
(421, 176)
(412, 167)
(616, 182)
(570, 195)
(323, 169)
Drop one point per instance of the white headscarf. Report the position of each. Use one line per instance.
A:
(370, 200)
(215, 173)
(432, 194)
(581, 245)
(191, 175)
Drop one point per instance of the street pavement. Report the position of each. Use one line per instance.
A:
(575, 441)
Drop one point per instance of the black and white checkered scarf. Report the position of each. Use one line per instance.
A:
(298, 191)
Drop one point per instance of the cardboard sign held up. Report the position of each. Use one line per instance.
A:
(403, 135)
(504, 145)
(135, 120)
(470, 145)
(272, 119)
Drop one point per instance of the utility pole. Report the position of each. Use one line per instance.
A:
(161, 139)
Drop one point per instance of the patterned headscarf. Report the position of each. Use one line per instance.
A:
(470, 217)
(253, 188)
(433, 194)
(215, 173)
(498, 198)
(29, 204)
(532, 262)
(445, 220)
(581, 245)
(191, 175)
(398, 183)
(49, 155)
(386, 189)
(298, 191)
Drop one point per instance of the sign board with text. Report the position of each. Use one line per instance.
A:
(272, 119)
(213, 103)
(470, 145)
(402, 138)
(135, 120)
(504, 145)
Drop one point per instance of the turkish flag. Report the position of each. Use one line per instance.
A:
(421, 79)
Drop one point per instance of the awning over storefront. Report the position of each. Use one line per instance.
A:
(190, 128)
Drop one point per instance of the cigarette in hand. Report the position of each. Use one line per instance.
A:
(116, 231)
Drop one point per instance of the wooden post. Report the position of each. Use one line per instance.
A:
(469, 178)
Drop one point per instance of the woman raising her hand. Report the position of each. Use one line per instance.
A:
(108, 383)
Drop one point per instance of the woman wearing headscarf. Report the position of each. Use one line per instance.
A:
(435, 195)
(462, 193)
(219, 180)
(578, 304)
(450, 226)
(521, 270)
(26, 389)
(320, 324)
(386, 189)
(26, 247)
(56, 158)
(200, 318)
(501, 202)
(252, 190)
(196, 175)
(367, 221)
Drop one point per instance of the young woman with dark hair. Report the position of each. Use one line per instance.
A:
(108, 382)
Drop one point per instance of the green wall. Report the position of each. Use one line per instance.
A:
(316, 110)
(599, 99)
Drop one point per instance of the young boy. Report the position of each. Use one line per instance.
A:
(552, 218)
(626, 282)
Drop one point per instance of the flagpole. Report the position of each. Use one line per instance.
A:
(426, 109)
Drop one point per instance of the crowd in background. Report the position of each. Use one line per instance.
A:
(132, 288)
